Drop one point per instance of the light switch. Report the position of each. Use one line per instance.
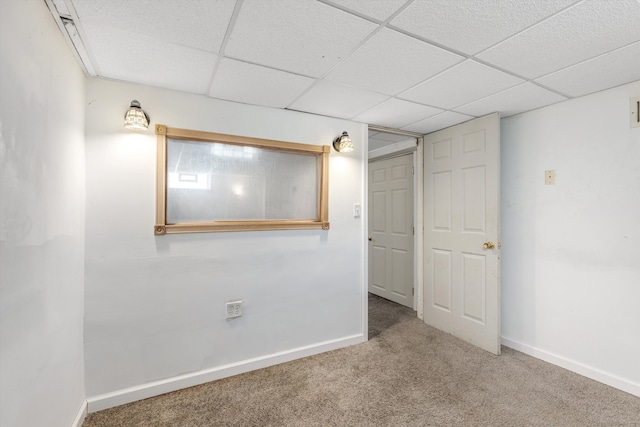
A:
(635, 112)
(550, 177)
(357, 210)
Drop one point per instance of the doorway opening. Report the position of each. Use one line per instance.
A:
(394, 212)
(456, 222)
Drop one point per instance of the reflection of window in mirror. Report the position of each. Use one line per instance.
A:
(215, 182)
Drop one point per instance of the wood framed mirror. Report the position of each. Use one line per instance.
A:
(211, 182)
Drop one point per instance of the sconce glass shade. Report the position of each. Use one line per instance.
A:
(136, 118)
(343, 143)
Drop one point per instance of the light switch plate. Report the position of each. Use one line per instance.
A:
(634, 107)
(357, 210)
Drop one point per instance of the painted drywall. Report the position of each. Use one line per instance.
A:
(155, 305)
(571, 251)
(41, 220)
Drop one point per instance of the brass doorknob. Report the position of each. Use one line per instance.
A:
(370, 239)
(489, 245)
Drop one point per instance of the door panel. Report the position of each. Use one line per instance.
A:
(378, 275)
(391, 229)
(461, 277)
(441, 204)
(474, 287)
(442, 279)
(379, 216)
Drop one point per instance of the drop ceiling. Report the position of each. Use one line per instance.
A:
(416, 65)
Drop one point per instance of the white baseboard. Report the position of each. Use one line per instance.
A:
(578, 368)
(156, 388)
(82, 414)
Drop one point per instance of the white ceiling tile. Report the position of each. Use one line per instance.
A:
(612, 69)
(281, 44)
(379, 10)
(395, 113)
(375, 143)
(330, 99)
(200, 24)
(441, 121)
(471, 26)
(385, 136)
(460, 85)
(581, 32)
(253, 84)
(391, 62)
(122, 55)
(301, 36)
(512, 101)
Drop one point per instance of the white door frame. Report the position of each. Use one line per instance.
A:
(418, 202)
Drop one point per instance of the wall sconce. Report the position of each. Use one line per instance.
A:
(136, 118)
(343, 144)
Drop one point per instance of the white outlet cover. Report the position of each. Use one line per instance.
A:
(550, 177)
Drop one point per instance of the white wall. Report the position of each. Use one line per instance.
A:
(41, 220)
(155, 305)
(571, 251)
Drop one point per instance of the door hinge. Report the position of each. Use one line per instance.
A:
(413, 291)
(413, 231)
(413, 170)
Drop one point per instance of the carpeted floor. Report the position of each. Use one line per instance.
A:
(407, 374)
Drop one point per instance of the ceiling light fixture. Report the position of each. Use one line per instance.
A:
(136, 118)
(343, 144)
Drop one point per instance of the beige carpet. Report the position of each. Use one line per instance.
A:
(407, 374)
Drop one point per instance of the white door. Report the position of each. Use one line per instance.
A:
(461, 223)
(391, 229)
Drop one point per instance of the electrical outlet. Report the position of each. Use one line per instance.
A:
(234, 309)
(550, 177)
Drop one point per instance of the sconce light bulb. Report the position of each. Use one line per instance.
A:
(343, 143)
(135, 117)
